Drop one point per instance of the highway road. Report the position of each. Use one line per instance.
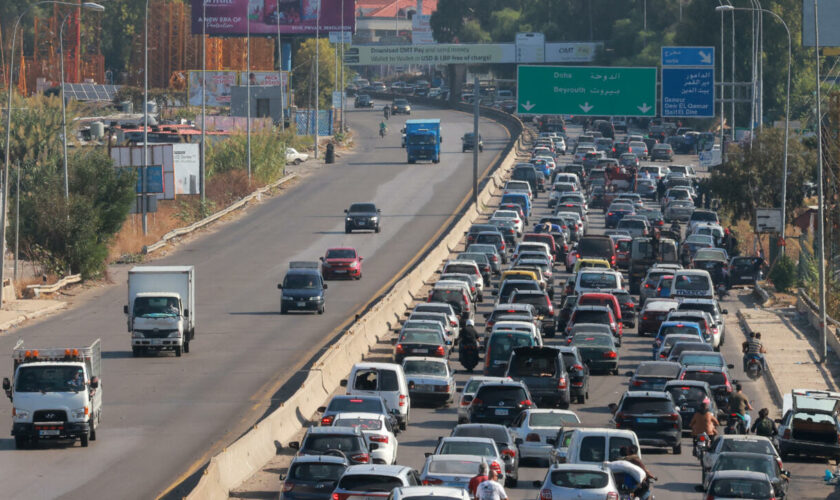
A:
(163, 415)
(678, 474)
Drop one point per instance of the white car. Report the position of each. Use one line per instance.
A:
(467, 394)
(579, 481)
(511, 216)
(476, 446)
(376, 428)
(454, 471)
(429, 379)
(426, 492)
(293, 156)
(534, 427)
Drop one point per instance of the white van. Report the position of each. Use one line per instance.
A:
(386, 380)
(599, 445)
(692, 284)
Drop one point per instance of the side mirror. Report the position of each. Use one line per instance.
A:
(295, 445)
(279, 286)
(186, 313)
(518, 441)
(343, 383)
(7, 385)
(394, 341)
(551, 441)
(730, 366)
(468, 398)
(537, 484)
(345, 210)
(361, 259)
(321, 409)
(613, 408)
(427, 454)
(125, 309)
(379, 210)
(281, 477)
(628, 373)
(777, 420)
(395, 411)
(786, 472)
(326, 286)
(373, 446)
(94, 383)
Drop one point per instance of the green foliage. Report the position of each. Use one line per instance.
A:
(72, 235)
(36, 128)
(268, 156)
(783, 274)
(752, 176)
(304, 77)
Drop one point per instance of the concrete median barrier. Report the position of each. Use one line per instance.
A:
(249, 453)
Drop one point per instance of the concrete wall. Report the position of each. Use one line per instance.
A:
(239, 98)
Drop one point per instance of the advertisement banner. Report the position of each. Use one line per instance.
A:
(400, 55)
(421, 30)
(291, 17)
(219, 85)
(265, 79)
(560, 52)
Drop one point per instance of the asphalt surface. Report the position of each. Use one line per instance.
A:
(678, 475)
(163, 414)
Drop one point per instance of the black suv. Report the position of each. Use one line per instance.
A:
(400, 106)
(468, 142)
(362, 216)
(653, 416)
(499, 402)
(363, 101)
(543, 371)
(303, 288)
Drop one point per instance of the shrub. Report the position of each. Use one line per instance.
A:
(783, 274)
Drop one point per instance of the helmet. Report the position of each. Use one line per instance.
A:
(470, 322)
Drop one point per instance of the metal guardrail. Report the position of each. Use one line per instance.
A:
(58, 285)
(216, 216)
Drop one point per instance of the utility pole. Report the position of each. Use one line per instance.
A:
(317, 74)
(201, 171)
(732, 90)
(476, 109)
(280, 71)
(248, 75)
(342, 65)
(820, 193)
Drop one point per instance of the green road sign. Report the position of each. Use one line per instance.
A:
(586, 91)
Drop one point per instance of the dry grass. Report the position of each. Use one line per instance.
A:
(747, 239)
(22, 292)
(130, 239)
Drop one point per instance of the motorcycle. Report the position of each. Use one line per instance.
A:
(735, 424)
(701, 445)
(754, 367)
(382, 132)
(468, 356)
(722, 292)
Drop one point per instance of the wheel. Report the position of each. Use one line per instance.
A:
(321, 310)
(21, 442)
(463, 150)
(83, 439)
(177, 352)
(377, 229)
(135, 351)
(298, 161)
(347, 230)
(511, 482)
(283, 310)
(92, 431)
(186, 346)
(677, 449)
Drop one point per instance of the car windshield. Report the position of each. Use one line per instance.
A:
(457, 467)
(702, 359)
(418, 337)
(590, 316)
(362, 208)
(326, 442)
(598, 280)
(552, 419)
(341, 253)
(502, 344)
(421, 367)
(298, 281)
(762, 446)
(672, 329)
(368, 482)
(686, 393)
(657, 370)
(477, 448)
(712, 378)
(646, 405)
(589, 340)
(692, 282)
(316, 472)
(156, 307)
(580, 479)
(745, 463)
(740, 488)
(365, 424)
(50, 379)
(503, 395)
(460, 269)
(421, 139)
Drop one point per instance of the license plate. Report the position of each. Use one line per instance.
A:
(418, 351)
(646, 420)
(502, 412)
(50, 432)
(301, 304)
(340, 271)
(746, 277)
(424, 387)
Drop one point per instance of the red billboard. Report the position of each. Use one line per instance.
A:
(295, 17)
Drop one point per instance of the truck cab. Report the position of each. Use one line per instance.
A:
(303, 288)
(422, 140)
(56, 393)
(161, 308)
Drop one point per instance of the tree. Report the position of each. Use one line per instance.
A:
(752, 176)
(305, 73)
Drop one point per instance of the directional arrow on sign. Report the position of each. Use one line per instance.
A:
(586, 107)
(705, 57)
(644, 108)
(527, 105)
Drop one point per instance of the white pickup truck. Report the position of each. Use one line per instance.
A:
(56, 393)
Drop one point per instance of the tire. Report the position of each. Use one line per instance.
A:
(298, 161)
(21, 442)
(677, 449)
(321, 310)
(135, 352)
(377, 229)
(83, 440)
(347, 230)
(92, 431)
(187, 346)
(511, 482)
(283, 310)
(177, 352)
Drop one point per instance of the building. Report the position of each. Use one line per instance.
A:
(388, 21)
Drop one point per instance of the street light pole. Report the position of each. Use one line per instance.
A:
(248, 76)
(317, 73)
(821, 194)
(5, 177)
(202, 171)
(145, 165)
(63, 112)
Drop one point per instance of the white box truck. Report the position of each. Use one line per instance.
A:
(56, 393)
(161, 308)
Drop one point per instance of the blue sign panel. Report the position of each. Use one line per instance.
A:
(688, 92)
(688, 56)
(154, 179)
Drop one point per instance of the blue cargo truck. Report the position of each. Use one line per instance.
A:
(422, 140)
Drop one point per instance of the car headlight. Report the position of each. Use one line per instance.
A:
(174, 334)
(288, 297)
(20, 414)
(137, 335)
(348, 219)
(314, 298)
(79, 413)
(374, 219)
(354, 264)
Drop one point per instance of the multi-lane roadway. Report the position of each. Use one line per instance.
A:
(164, 416)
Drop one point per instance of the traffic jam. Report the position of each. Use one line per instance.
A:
(598, 271)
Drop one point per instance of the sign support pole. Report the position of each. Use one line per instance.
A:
(476, 100)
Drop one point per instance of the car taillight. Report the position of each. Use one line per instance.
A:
(610, 354)
(453, 323)
(610, 213)
(442, 388)
(503, 246)
(379, 439)
(629, 304)
(728, 385)
(550, 306)
(399, 349)
(327, 421)
(577, 367)
(439, 351)
(494, 258)
(577, 255)
(532, 437)
(525, 402)
(545, 494)
(647, 285)
(335, 496)
(611, 496)
(360, 457)
(637, 383)
(402, 399)
(477, 402)
(561, 383)
(509, 453)
(287, 487)
(432, 482)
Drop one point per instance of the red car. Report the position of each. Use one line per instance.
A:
(341, 262)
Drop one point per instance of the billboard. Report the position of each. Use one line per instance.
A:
(219, 84)
(264, 79)
(421, 30)
(570, 52)
(291, 17)
(468, 53)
